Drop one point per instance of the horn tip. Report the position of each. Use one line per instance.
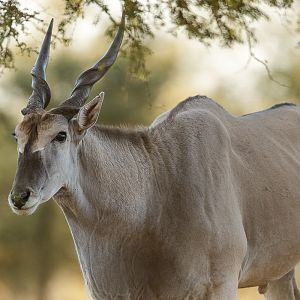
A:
(50, 25)
(123, 18)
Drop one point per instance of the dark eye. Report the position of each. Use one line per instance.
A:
(14, 135)
(61, 136)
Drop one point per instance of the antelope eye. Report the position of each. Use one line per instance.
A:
(61, 136)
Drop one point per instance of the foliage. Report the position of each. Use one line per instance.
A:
(228, 21)
(12, 23)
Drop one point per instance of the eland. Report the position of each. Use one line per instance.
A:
(195, 206)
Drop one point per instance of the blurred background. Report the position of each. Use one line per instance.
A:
(37, 256)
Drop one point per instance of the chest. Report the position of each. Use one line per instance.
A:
(137, 269)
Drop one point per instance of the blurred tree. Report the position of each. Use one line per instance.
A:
(229, 21)
(271, 92)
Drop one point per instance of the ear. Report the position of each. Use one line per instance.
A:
(88, 114)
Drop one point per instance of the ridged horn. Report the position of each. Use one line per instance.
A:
(88, 78)
(41, 94)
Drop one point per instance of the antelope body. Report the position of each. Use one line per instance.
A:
(193, 207)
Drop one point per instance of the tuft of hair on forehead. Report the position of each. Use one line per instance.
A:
(38, 129)
(26, 131)
(29, 121)
(42, 120)
(50, 124)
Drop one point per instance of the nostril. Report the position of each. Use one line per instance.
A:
(19, 199)
(25, 195)
(18, 204)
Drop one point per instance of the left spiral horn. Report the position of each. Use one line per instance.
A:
(41, 94)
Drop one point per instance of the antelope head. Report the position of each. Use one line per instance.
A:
(47, 139)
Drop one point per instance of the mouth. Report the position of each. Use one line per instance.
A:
(24, 210)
